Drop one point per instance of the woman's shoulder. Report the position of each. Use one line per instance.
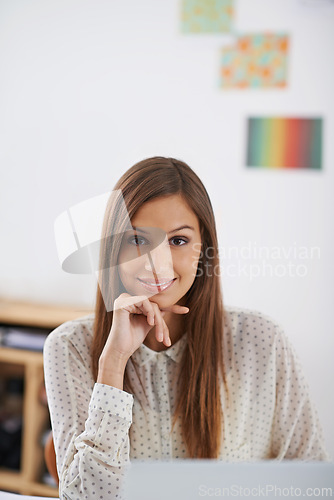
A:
(77, 333)
(240, 322)
(253, 342)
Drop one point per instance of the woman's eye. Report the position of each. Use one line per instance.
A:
(179, 242)
(137, 240)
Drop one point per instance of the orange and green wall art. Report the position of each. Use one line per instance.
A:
(255, 61)
(207, 16)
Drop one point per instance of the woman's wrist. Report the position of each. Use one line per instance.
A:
(113, 379)
(111, 371)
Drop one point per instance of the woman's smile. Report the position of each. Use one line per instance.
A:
(156, 286)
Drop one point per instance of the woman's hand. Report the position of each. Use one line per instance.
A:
(133, 318)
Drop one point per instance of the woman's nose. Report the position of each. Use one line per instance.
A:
(160, 262)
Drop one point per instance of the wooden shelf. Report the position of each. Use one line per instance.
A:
(38, 315)
(29, 365)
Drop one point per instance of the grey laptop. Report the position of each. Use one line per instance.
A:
(196, 479)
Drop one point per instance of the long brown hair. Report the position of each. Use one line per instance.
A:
(201, 368)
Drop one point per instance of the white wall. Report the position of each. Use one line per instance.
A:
(88, 88)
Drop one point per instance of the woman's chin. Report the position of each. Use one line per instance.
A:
(161, 301)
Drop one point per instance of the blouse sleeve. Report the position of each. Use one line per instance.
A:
(90, 424)
(297, 433)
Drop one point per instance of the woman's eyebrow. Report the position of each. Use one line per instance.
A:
(172, 231)
(181, 227)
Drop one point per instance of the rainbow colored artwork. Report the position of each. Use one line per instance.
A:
(203, 16)
(284, 142)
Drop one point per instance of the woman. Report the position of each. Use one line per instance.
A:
(162, 370)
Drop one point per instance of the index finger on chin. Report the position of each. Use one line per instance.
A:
(176, 309)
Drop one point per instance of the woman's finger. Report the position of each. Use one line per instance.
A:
(127, 300)
(176, 309)
(147, 309)
(158, 321)
(167, 340)
(161, 328)
(150, 318)
(142, 306)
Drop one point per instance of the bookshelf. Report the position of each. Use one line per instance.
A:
(29, 365)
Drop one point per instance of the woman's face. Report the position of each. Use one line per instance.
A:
(159, 257)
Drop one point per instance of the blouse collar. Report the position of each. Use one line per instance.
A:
(144, 354)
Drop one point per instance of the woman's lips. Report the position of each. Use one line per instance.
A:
(152, 286)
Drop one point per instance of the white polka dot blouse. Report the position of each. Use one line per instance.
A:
(98, 429)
